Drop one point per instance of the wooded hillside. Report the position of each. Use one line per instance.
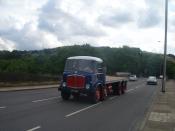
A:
(49, 63)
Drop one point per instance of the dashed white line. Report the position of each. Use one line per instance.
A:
(33, 129)
(140, 86)
(2, 107)
(111, 98)
(76, 112)
(129, 90)
(46, 99)
(135, 88)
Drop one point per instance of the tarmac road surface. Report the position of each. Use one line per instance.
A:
(44, 110)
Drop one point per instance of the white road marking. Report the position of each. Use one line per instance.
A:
(129, 90)
(51, 98)
(2, 107)
(35, 128)
(135, 88)
(111, 98)
(140, 86)
(76, 112)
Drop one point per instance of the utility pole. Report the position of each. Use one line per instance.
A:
(165, 48)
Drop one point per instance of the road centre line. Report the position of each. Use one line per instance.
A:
(46, 99)
(33, 129)
(129, 90)
(2, 107)
(83, 109)
(135, 88)
(111, 98)
(139, 86)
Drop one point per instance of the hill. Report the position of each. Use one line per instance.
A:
(49, 63)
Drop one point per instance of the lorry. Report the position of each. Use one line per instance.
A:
(86, 75)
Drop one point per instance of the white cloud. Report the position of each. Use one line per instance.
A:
(31, 24)
(116, 19)
(64, 24)
(6, 44)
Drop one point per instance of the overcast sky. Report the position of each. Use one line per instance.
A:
(38, 24)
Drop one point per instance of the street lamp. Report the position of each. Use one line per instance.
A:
(140, 68)
(165, 48)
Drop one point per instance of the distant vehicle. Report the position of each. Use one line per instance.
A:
(152, 80)
(161, 76)
(122, 74)
(86, 75)
(132, 77)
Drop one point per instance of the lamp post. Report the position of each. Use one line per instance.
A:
(140, 68)
(165, 48)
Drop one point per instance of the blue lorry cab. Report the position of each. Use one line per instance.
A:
(82, 74)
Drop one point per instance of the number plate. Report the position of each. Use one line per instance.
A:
(76, 91)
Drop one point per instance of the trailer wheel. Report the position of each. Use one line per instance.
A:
(65, 95)
(104, 94)
(123, 90)
(124, 87)
(96, 96)
(119, 91)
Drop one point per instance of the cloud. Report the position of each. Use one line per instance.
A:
(32, 25)
(152, 15)
(18, 25)
(6, 44)
(30, 38)
(65, 25)
(149, 18)
(116, 18)
(171, 24)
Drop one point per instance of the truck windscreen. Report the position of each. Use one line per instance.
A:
(80, 65)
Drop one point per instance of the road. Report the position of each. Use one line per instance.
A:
(44, 110)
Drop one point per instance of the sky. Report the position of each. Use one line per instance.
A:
(41, 24)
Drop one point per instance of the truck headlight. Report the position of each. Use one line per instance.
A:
(64, 84)
(87, 86)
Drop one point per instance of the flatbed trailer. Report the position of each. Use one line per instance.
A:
(118, 85)
(92, 82)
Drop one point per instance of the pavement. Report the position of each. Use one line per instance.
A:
(161, 114)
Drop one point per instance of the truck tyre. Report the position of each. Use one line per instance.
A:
(96, 96)
(65, 95)
(119, 91)
(103, 94)
(123, 90)
(123, 87)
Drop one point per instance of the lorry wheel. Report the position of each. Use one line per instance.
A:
(103, 94)
(65, 95)
(96, 96)
(123, 90)
(119, 91)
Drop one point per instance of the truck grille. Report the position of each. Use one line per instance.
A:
(76, 81)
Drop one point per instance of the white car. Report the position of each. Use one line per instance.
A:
(152, 80)
(132, 77)
(161, 76)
